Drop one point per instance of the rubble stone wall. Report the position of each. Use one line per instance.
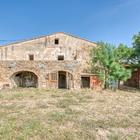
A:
(40, 69)
(15, 57)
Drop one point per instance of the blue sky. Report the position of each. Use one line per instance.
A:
(112, 21)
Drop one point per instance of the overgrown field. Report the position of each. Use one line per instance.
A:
(39, 114)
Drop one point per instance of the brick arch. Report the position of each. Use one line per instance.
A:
(24, 78)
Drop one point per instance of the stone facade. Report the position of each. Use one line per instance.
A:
(32, 60)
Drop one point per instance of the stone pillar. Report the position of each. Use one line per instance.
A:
(41, 81)
(77, 82)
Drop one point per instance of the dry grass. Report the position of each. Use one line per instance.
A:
(69, 115)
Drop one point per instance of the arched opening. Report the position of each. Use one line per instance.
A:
(25, 79)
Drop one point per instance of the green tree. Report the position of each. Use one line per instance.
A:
(136, 46)
(104, 62)
(124, 53)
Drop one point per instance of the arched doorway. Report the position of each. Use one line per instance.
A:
(25, 79)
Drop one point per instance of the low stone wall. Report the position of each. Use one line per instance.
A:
(40, 68)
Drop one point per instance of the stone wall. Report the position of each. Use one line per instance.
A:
(44, 48)
(14, 58)
(39, 68)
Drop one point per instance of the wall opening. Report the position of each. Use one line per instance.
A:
(56, 41)
(85, 82)
(60, 57)
(62, 80)
(59, 80)
(25, 79)
(31, 57)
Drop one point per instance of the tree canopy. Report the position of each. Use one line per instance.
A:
(136, 46)
(104, 59)
(124, 53)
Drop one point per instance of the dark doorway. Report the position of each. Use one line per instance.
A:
(25, 79)
(62, 80)
(85, 82)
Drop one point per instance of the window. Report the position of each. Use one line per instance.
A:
(60, 57)
(56, 41)
(31, 57)
(53, 76)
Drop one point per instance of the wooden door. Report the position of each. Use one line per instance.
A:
(52, 80)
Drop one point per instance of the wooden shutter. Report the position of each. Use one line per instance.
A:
(52, 80)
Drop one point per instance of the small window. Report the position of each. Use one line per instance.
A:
(60, 57)
(31, 57)
(56, 41)
(53, 76)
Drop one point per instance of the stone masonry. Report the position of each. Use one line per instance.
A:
(40, 56)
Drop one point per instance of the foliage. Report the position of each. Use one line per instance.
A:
(136, 46)
(104, 62)
(124, 53)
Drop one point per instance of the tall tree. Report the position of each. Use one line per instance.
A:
(104, 62)
(124, 53)
(136, 46)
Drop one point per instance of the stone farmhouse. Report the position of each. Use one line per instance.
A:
(58, 60)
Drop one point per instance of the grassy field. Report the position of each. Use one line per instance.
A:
(39, 114)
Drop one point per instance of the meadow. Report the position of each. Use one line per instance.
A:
(41, 114)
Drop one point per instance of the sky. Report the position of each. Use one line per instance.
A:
(112, 21)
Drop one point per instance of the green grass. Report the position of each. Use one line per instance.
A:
(101, 100)
(42, 106)
(68, 115)
(70, 111)
(66, 103)
(54, 96)
(114, 137)
(58, 117)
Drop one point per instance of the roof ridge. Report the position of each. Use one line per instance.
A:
(49, 35)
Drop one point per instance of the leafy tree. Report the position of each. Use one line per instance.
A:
(136, 46)
(104, 62)
(124, 53)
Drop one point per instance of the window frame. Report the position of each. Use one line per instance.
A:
(31, 57)
(59, 58)
(56, 41)
(53, 77)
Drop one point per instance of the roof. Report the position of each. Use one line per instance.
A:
(49, 35)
